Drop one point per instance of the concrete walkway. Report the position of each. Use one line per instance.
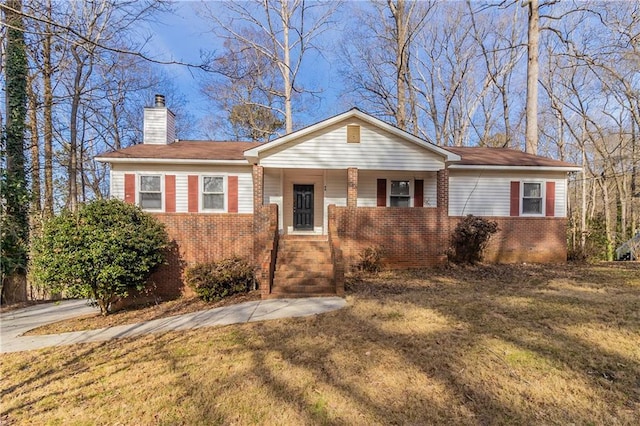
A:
(14, 323)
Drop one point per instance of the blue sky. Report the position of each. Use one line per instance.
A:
(182, 35)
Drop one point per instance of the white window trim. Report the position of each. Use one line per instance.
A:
(543, 195)
(411, 189)
(139, 188)
(225, 194)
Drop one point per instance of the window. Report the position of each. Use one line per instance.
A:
(150, 195)
(213, 193)
(399, 196)
(532, 198)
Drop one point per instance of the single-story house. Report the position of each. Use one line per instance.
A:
(304, 206)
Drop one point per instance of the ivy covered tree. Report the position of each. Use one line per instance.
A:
(101, 252)
(14, 194)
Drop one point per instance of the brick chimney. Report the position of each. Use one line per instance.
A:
(159, 124)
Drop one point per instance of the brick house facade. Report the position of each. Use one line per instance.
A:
(303, 207)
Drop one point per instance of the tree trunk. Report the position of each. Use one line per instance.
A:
(47, 73)
(15, 217)
(36, 205)
(72, 166)
(609, 219)
(531, 136)
(286, 68)
(398, 10)
(583, 212)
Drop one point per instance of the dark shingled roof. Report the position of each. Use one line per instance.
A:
(186, 150)
(224, 151)
(484, 156)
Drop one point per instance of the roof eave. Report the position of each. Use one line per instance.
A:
(170, 160)
(519, 168)
(253, 154)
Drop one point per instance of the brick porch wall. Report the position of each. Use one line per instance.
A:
(526, 239)
(419, 237)
(265, 245)
(199, 238)
(409, 237)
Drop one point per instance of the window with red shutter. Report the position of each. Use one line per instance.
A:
(170, 193)
(192, 194)
(418, 193)
(130, 188)
(515, 199)
(550, 199)
(382, 193)
(232, 187)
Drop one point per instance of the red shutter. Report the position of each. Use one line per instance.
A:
(418, 193)
(192, 204)
(550, 199)
(382, 193)
(232, 186)
(170, 193)
(515, 198)
(130, 188)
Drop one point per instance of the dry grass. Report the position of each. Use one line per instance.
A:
(482, 345)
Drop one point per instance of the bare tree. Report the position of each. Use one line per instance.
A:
(533, 71)
(283, 32)
(501, 43)
(379, 57)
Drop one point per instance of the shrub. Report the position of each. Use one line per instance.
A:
(101, 252)
(216, 280)
(470, 238)
(370, 260)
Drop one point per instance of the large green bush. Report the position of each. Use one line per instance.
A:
(216, 280)
(101, 252)
(470, 238)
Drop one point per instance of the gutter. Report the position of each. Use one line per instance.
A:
(171, 161)
(519, 168)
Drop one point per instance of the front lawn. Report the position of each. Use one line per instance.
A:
(523, 344)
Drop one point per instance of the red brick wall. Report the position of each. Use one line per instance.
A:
(419, 237)
(410, 237)
(526, 239)
(265, 244)
(199, 238)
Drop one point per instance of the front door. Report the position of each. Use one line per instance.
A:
(303, 207)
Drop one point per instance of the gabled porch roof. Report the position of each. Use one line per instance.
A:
(253, 155)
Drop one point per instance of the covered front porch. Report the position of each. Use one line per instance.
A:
(303, 196)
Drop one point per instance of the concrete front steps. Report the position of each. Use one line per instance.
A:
(303, 268)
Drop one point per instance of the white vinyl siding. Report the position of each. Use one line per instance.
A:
(431, 189)
(272, 191)
(116, 185)
(159, 126)
(328, 149)
(488, 193)
(245, 192)
(245, 181)
(561, 197)
(336, 185)
(335, 193)
(367, 188)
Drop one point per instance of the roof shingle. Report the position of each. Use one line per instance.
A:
(229, 151)
(186, 150)
(485, 156)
